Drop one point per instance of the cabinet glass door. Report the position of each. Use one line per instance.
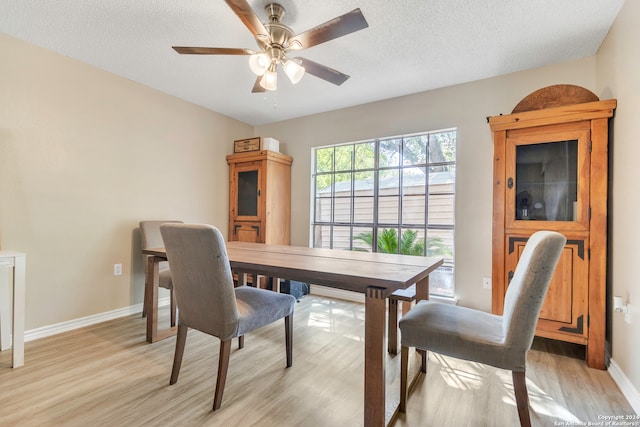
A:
(547, 181)
(248, 192)
(547, 177)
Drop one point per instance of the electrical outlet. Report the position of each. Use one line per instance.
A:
(486, 283)
(117, 269)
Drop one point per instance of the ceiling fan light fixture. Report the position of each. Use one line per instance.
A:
(293, 70)
(269, 80)
(259, 63)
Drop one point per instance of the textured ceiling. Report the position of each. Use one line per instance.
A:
(410, 45)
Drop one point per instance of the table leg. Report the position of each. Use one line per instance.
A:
(374, 358)
(151, 293)
(422, 289)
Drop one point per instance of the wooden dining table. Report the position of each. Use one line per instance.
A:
(375, 275)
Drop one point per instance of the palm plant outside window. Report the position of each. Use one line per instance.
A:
(392, 195)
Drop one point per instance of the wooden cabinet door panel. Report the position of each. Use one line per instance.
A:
(565, 310)
(247, 232)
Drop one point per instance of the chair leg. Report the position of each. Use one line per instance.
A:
(288, 334)
(423, 362)
(173, 307)
(223, 367)
(241, 341)
(522, 397)
(392, 327)
(181, 339)
(404, 367)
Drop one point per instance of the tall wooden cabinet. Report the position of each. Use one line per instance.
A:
(550, 173)
(260, 197)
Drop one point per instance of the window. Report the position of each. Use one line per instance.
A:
(393, 195)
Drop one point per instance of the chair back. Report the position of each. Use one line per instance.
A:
(528, 288)
(150, 237)
(202, 279)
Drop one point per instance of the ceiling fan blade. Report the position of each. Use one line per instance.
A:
(337, 27)
(248, 18)
(256, 86)
(323, 72)
(187, 50)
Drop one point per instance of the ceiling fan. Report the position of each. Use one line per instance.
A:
(276, 41)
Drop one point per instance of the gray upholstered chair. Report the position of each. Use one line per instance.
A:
(150, 237)
(208, 301)
(499, 341)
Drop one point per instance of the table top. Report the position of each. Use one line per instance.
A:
(342, 269)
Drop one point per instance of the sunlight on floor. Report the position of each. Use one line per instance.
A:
(326, 314)
(465, 375)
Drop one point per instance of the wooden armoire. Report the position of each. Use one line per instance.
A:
(260, 197)
(550, 172)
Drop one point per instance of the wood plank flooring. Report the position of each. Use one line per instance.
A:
(107, 375)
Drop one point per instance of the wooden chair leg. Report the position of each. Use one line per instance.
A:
(423, 362)
(241, 341)
(288, 333)
(392, 327)
(223, 367)
(522, 397)
(173, 307)
(404, 367)
(181, 339)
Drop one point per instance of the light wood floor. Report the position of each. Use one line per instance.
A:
(107, 375)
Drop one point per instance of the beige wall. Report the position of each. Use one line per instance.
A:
(618, 76)
(463, 106)
(84, 156)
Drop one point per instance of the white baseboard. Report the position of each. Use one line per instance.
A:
(47, 331)
(627, 388)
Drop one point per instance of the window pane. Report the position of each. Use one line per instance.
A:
(442, 179)
(388, 240)
(341, 237)
(389, 182)
(343, 184)
(441, 281)
(364, 183)
(415, 150)
(365, 155)
(323, 185)
(440, 243)
(342, 210)
(362, 239)
(323, 209)
(414, 181)
(321, 236)
(388, 210)
(441, 209)
(389, 153)
(413, 210)
(324, 159)
(412, 242)
(363, 210)
(442, 147)
(344, 157)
